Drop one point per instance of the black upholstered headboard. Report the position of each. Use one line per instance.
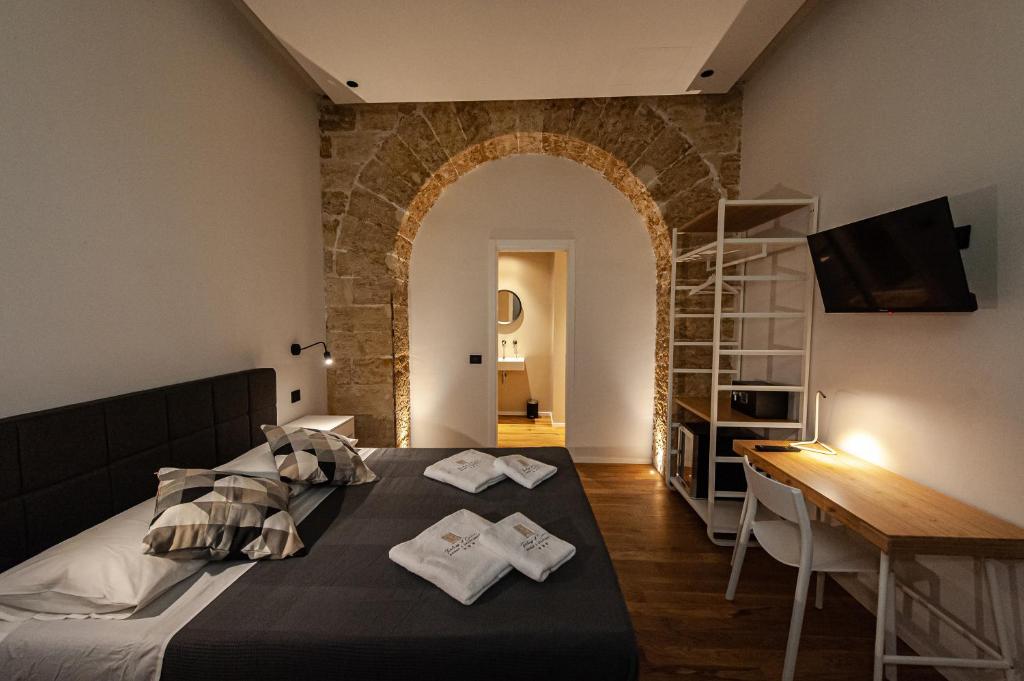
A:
(66, 469)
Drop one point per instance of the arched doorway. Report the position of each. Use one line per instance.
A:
(614, 172)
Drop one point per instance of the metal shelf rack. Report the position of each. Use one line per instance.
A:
(745, 240)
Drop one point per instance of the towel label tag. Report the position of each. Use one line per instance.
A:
(458, 544)
(525, 466)
(534, 541)
(524, 530)
(463, 464)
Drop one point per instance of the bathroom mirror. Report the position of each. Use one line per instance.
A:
(510, 308)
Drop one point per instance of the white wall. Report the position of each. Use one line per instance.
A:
(610, 402)
(159, 203)
(878, 105)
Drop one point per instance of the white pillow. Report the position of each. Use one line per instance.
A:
(257, 460)
(260, 461)
(102, 572)
(99, 573)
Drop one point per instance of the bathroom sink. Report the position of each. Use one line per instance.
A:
(512, 364)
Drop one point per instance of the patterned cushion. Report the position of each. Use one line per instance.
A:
(217, 515)
(316, 457)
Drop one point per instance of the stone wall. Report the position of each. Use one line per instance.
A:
(384, 166)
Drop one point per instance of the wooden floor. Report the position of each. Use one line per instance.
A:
(519, 431)
(674, 582)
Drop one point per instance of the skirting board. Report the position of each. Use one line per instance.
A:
(604, 460)
(554, 423)
(523, 413)
(583, 458)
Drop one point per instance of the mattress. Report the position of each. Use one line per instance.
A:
(345, 610)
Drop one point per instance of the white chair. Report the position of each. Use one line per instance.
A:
(792, 538)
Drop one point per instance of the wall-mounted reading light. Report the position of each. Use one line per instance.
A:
(297, 350)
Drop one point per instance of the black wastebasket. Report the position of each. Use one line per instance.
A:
(532, 409)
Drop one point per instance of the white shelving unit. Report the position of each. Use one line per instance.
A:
(753, 251)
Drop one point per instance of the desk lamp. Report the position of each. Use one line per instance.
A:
(816, 445)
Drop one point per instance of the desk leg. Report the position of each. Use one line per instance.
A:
(884, 574)
(890, 624)
(999, 616)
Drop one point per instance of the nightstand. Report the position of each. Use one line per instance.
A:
(342, 425)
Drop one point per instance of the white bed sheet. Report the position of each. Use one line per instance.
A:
(128, 649)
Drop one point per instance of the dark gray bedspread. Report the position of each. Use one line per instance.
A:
(345, 611)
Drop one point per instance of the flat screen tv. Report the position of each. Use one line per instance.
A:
(904, 261)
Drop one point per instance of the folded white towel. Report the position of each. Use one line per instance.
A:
(449, 555)
(470, 470)
(527, 472)
(527, 545)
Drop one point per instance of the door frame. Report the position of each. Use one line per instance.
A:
(568, 246)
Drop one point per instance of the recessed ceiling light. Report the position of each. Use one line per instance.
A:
(707, 73)
(351, 83)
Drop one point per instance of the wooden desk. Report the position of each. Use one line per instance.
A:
(897, 515)
(901, 518)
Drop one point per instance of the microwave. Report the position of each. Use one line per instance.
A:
(692, 459)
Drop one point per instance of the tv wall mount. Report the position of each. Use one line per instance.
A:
(963, 237)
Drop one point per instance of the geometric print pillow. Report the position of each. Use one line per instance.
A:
(315, 457)
(220, 515)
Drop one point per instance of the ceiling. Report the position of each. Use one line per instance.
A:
(457, 50)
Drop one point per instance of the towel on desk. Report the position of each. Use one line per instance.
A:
(471, 471)
(527, 472)
(527, 546)
(448, 554)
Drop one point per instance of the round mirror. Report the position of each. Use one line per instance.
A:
(510, 308)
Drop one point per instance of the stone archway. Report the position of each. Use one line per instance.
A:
(384, 165)
(615, 171)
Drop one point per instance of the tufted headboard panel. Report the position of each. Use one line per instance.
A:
(63, 470)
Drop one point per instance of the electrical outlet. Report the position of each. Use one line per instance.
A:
(296, 396)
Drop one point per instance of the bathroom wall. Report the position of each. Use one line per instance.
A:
(528, 275)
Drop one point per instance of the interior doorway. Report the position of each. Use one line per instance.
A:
(531, 333)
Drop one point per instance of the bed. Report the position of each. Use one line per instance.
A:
(342, 610)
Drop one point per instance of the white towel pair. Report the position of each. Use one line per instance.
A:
(473, 471)
(448, 554)
(527, 472)
(464, 554)
(527, 546)
(470, 471)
